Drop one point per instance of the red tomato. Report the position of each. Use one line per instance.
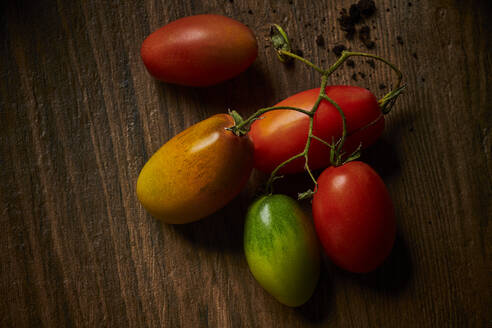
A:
(281, 134)
(199, 50)
(354, 216)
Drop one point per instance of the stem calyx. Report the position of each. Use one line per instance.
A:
(238, 123)
(280, 42)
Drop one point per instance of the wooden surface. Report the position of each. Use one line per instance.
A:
(79, 116)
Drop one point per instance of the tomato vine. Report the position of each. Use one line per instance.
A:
(281, 44)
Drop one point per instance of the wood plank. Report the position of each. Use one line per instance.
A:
(79, 116)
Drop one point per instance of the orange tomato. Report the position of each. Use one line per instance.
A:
(197, 172)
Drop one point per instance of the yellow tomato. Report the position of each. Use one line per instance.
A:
(197, 172)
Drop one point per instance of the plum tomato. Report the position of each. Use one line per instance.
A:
(282, 249)
(199, 50)
(354, 216)
(281, 134)
(197, 172)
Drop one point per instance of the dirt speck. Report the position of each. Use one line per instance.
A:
(366, 7)
(337, 50)
(365, 37)
(347, 24)
(356, 13)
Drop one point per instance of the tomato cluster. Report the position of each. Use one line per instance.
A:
(201, 169)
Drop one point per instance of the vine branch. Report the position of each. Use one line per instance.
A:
(281, 44)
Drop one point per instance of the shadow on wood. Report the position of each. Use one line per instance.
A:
(383, 158)
(392, 276)
(245, 93)
(319, 306)
(383, 155)
(221, 231)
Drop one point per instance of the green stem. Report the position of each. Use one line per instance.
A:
(387, 101)
(308, 170)
(308, 144)
(305, 152)
(344, 122)
(274, 172)
(332, 146)
(373, 122)
(346, 54)
(323, 141)
(304, 60)
(241, 128)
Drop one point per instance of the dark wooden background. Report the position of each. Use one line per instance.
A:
(79, 116)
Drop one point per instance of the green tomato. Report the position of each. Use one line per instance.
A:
(281, 249)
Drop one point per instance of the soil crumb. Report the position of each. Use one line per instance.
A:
(356, 14)
(337, 50)
(365, 37)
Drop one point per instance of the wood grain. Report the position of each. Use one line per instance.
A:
(79, 116)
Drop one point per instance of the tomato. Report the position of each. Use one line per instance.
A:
(281, 134)
(354, 216)
(281, 249)
(197, 172)
(199, 50)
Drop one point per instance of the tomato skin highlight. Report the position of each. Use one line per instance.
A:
(281, 248)
(354, 217)
(281, 134)
(199, 50)
(196, 173)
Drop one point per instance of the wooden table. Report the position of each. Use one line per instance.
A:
(79, 117)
